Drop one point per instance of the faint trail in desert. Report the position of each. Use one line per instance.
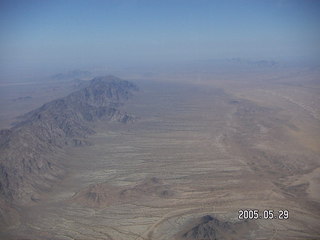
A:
(149, 232)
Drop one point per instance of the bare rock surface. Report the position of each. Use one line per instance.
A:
(24, 164)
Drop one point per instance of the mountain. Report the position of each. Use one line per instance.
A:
(25, 164)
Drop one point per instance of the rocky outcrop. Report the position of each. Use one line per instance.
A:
(211, 228)
(25, 164)
(103, 194)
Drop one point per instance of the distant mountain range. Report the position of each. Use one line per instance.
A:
(242, 62)
(72, 75)
(259, 63)
(25, 164)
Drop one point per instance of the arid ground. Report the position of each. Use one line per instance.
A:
(211, 147)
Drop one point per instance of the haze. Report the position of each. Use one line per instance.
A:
(48, 37)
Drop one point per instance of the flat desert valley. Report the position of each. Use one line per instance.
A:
(195, 154)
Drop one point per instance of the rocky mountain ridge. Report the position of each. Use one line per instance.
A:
(25, 164)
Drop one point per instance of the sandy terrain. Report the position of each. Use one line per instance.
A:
(194, 150)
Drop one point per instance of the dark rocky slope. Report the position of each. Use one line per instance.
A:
(211, 228)
(25, 164)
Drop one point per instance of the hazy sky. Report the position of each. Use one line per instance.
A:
(61, 35)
